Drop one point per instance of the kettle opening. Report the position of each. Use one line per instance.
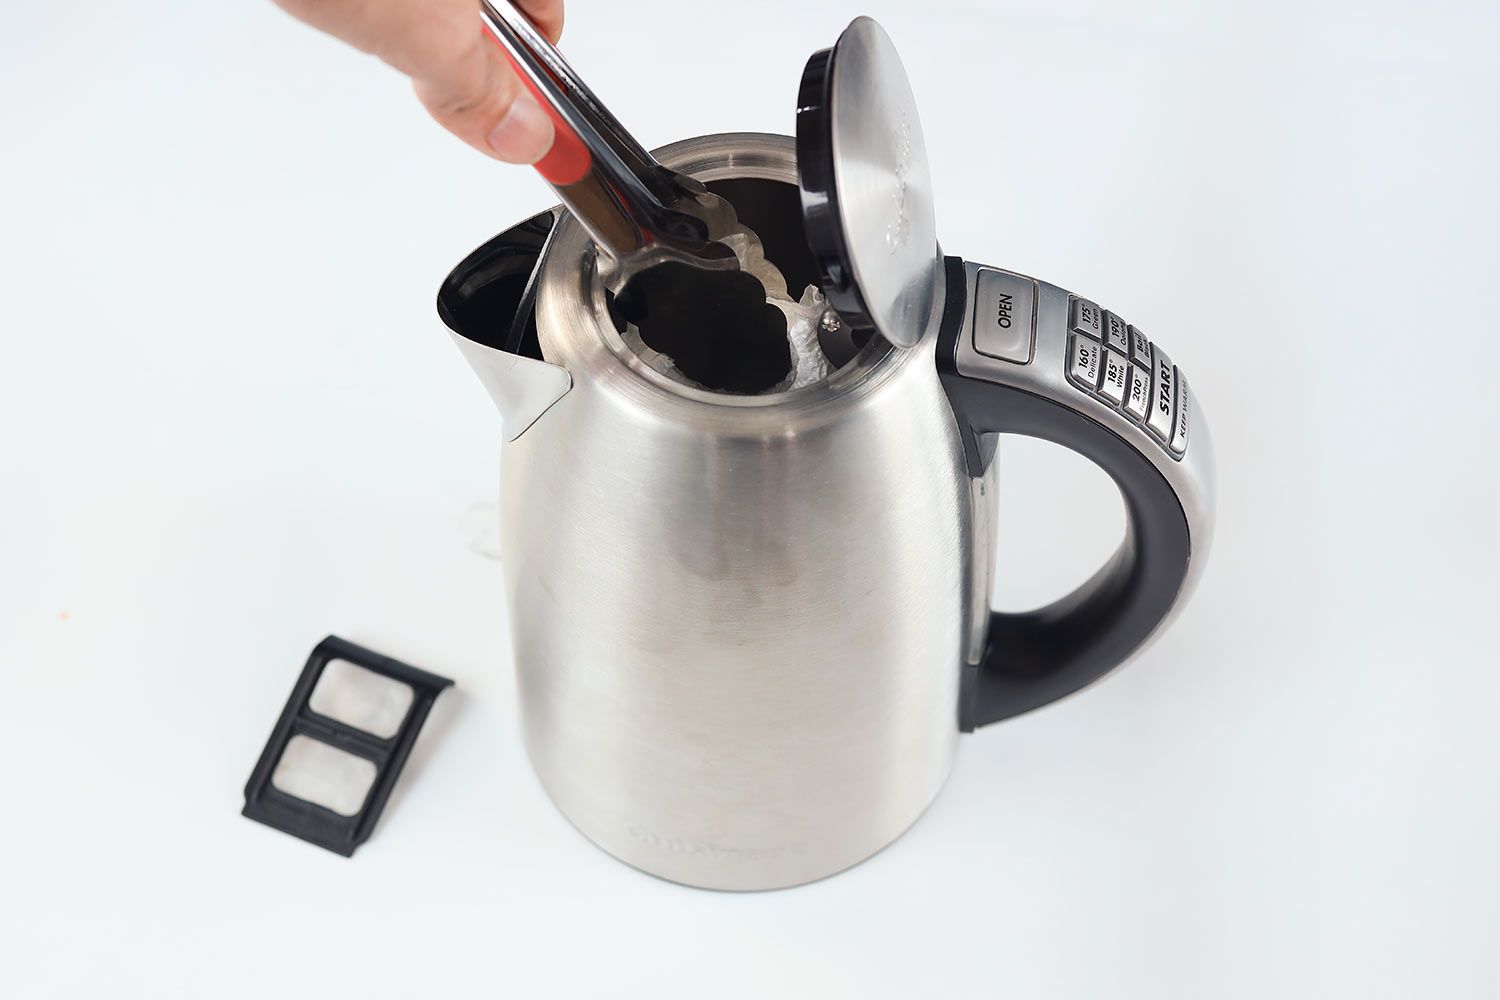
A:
(724, 331)
(715, 328)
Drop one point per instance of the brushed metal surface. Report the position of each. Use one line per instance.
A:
(884, 183)
(738, 622)
(522, 388)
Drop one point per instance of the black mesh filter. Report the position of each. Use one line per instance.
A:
(338, 829)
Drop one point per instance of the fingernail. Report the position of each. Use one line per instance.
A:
(525, 133)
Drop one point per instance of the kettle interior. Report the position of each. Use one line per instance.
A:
(736, 332)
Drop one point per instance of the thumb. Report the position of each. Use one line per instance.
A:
(478, 98)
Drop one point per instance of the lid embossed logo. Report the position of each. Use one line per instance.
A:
(899, 231)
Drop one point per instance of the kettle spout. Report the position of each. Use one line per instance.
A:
(489, 304)
(523, 388)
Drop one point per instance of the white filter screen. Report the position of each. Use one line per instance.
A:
(325, 775)
(362, 699)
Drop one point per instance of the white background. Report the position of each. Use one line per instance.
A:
(232, 423)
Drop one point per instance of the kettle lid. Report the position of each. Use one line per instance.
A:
(866, 188)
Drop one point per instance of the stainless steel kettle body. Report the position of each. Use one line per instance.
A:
(749, 630)
(731, 614)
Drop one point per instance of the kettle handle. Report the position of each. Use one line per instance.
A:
(1019, 356)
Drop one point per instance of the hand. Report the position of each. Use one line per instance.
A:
(459, 73)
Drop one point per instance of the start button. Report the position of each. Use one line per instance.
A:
(1004, 315)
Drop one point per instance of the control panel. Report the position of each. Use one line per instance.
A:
(1114, 362)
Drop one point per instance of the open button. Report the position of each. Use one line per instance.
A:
(1004, 315)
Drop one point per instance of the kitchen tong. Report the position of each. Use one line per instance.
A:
(639, 212)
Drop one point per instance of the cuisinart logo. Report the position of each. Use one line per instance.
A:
(899, 231)
(695, 849)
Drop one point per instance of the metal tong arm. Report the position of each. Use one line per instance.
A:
(620, 194)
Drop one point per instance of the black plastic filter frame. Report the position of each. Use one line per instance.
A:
(313, 823)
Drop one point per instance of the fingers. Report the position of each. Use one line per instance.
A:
(545, 14)
(459, 74)
(476, 96)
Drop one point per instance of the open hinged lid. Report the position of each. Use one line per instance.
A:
(866, 189)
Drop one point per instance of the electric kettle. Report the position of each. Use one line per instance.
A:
(749, 628)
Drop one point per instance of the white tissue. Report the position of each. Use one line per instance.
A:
(802, 322)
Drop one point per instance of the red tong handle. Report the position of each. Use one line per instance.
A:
(568, 161)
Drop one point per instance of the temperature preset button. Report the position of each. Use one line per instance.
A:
(1088, 319)
(1119, 366)
(1085, 362)
(1138, 399)
(1116, 377)
(1116, 332)
(1163, 396)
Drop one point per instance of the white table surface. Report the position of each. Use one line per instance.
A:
(232, 423)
